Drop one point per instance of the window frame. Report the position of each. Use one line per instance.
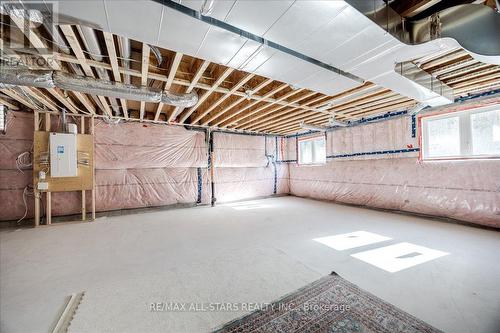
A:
(311, 138)
(465, 133)
(3, 112)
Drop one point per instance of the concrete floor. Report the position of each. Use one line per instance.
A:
(254, 252)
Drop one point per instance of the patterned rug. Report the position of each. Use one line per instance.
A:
(330, 304)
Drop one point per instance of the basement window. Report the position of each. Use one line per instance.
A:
(312, 150)
(459, 135)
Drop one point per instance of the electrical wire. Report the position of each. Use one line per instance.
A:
(24, 161)
(28, 191)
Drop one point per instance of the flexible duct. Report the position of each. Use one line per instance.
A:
(51, 79)
(157, 54)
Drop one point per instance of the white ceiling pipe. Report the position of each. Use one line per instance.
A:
(331, 123)
(416, 109)
(312, 127)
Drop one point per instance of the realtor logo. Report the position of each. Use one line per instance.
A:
(24, 24)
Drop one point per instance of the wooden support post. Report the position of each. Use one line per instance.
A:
(93, 167)
(37, 208)
(48, 195)
(84, 208)
(47, 122)
(36, 118)
(49, 207)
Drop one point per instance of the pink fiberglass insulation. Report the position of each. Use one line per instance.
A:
(234, 150)
(136, 188)
(18, 139)
(144, 165)
(245, 168)
(437, 188)
(136, 166)
(467, 190)
(386, 135)
(136, 145)
(243, 183)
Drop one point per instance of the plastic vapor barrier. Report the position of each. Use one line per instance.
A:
(376, 165)
(235, 150)
(18, 139)
(388, 135)
(144, 165)
(246, 167)
(373, 164)
(134, 145)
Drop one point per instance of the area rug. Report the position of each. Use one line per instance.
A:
(331, 304)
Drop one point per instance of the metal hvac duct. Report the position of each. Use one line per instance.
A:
(51, 79)
(412, 72)
(474, 26)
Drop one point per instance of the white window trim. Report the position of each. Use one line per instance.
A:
(3, 112)
(313, 138)
(465, 133)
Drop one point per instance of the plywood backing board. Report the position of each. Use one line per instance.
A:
(85, 178)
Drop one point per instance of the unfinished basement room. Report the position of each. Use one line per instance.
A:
(250, 166)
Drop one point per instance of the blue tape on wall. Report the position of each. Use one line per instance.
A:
(466, 98)
(413, 126)
(198, 200)
(275, 189)
(380, 152)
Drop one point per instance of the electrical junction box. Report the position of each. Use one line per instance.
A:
(63, 155)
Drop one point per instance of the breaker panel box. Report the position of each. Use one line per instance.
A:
(63, 155)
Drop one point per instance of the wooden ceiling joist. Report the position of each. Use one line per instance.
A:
(216, 115)
(230, 98)
(246, 115)
(199, 72)
(207, 94)
(80, 55)
(21, 99)
(40, 97)
(170, 79)
(237, 86)
(8, 104)
(110, 46)
(146, 50)
(224, 122)
(266, 111)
